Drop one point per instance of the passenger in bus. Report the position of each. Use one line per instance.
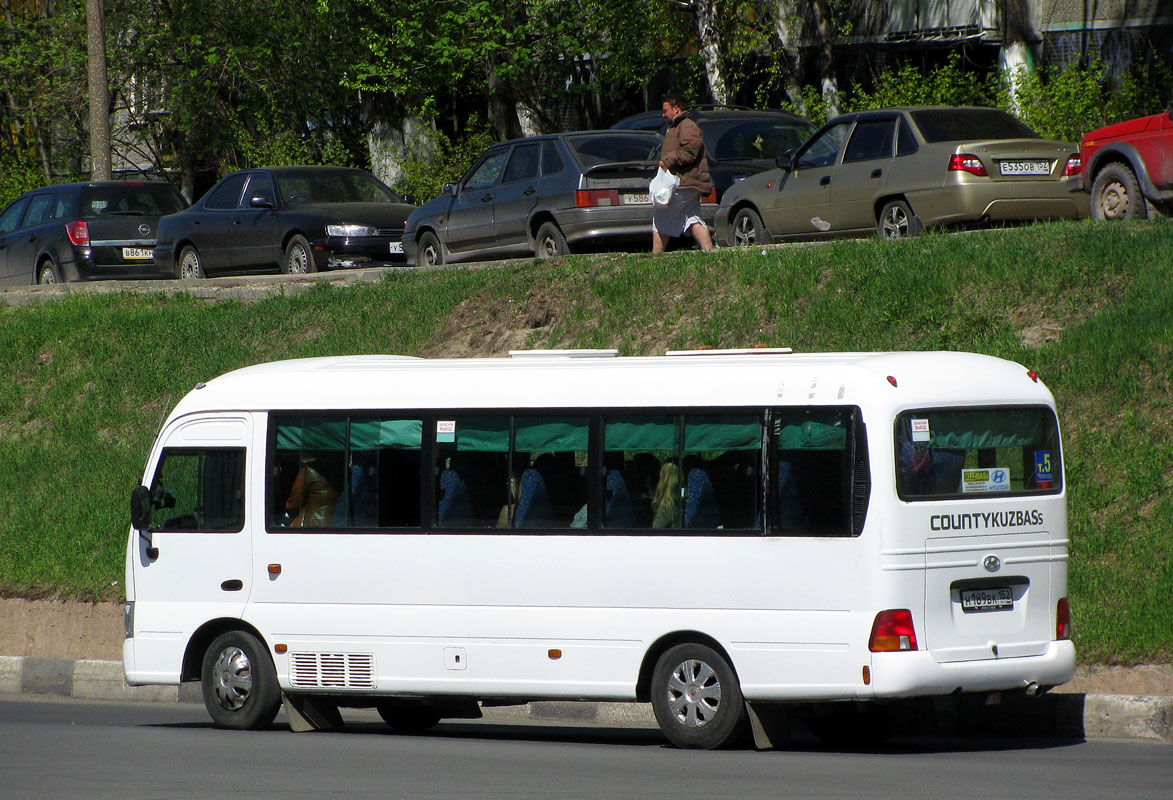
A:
(666, 499)
(312, 500)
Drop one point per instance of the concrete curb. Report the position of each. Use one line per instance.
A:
(1095, 716)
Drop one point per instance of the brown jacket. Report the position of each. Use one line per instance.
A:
(684, 154)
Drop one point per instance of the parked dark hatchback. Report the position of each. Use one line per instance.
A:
(739, 142)
(542, 195)
(84, 231)
(287, 219)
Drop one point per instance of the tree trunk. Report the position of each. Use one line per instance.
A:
(710, 40)
(828, 82)
(391, 145)
(99, 90)
(787, 25)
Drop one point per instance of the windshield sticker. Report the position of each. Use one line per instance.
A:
(920, 430)
(445, 431)
(994, 479)
(1043, 469)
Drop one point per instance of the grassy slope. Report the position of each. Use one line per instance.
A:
(88, 378)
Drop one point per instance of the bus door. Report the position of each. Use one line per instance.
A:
(193, 562)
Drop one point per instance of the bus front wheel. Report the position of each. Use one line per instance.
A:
(696, 698)
(239, 682)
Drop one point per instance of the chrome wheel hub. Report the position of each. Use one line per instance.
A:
(694, 693)
(233, 678)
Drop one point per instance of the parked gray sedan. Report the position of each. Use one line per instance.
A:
(896, 171)
(543, 196)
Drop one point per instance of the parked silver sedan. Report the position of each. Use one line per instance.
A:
(897, 171)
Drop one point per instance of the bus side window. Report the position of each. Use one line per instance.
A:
(199, 490)
(811, 471)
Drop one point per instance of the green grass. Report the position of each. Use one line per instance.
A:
(88, 378)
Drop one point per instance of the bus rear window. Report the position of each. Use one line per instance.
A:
(971, 453)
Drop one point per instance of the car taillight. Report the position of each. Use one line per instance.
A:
(892, 631)
(78, 232)
(591, 198)
(960, 162)
(711, 197)
(1062, 620)
(1074, 165)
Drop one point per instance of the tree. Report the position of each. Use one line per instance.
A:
(99, 92)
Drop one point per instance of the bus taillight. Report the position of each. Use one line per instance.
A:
(1062, 620)
(892, 631)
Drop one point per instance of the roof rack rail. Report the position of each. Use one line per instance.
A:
(737, 351)
(586, 353)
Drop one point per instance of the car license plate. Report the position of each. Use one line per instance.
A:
(1026, 167)
(137, 253)
(998, 598)
(636, 199)
(397, 247)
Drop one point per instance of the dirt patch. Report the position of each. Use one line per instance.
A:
(55, 629)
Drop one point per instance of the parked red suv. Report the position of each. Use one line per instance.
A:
(1128, 167)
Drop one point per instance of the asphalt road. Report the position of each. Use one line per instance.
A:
(72, 748)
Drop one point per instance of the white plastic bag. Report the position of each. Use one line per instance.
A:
(663, 186)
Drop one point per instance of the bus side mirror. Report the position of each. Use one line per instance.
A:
(140, 518)
(140, 508)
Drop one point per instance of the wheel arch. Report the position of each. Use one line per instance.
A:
(197, 645)
(643, 685)
(736, 208)
(1121, 153)
(885, 199)
(539, 218)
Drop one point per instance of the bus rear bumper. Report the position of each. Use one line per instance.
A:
(918, 673)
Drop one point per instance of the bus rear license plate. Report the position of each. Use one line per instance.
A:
(633, 199)
(397, 247)
(999, 598)
(137, 253)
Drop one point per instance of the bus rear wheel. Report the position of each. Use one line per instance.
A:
(239, 682)
(696, 698)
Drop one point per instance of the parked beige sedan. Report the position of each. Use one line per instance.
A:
(897, 171)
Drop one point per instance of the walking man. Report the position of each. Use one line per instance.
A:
(683, 154)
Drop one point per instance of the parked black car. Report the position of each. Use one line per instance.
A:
(287, 219)
(84, 231)
(542, 195)
(738, 141)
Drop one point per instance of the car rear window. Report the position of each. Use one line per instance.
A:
(131, 199)
(594, 149)
(752, 140)
(969, 124)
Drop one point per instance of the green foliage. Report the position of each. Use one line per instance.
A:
(271, 145)
(88, 377)
(18, 174)
(423, 176)
(948, 84)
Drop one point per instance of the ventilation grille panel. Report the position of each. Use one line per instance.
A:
(332, 670)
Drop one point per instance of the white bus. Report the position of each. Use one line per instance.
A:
(704, 530)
